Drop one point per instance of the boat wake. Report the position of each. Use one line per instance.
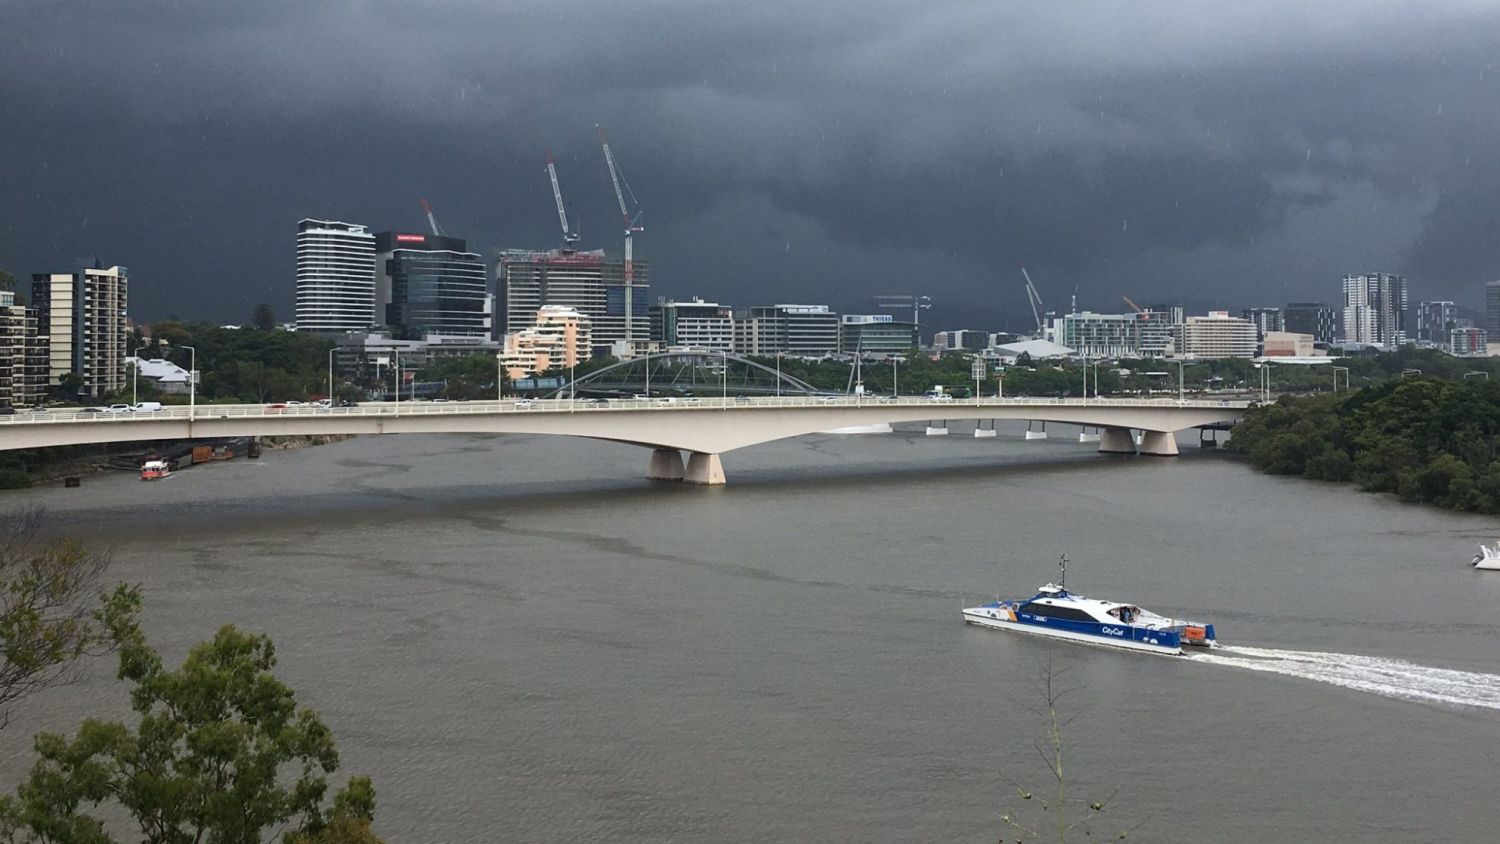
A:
(1387, 677)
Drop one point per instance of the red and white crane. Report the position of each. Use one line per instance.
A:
(631, 223)
(569, 237)
(431, 220)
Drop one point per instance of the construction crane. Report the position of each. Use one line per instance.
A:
(1035, 299)
(431, 220)
(569, 237)
(632, 226)
(1140, 311)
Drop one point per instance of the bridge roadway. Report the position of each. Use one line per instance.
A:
(703, 427)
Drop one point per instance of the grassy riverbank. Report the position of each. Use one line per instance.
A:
(1424, 439)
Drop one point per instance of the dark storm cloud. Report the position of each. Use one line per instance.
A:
(782, 150)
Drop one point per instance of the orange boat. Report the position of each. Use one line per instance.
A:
(155, 470)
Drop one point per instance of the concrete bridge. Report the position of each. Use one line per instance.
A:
(705, 428)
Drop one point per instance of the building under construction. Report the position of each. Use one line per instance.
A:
(587, 282)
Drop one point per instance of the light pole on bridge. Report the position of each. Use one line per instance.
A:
(192, 381)
(1336, 371)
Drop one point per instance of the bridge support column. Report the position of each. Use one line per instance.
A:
(937, 428)
(1085, 437)
(1033, 434)
(704, 469)
(1159, 443)
(1116, 441)
(981, 431)
(665, 465)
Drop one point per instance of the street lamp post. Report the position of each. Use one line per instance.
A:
(499, 377)
(724, 377)
(192, 381)
(1180, 363)
(330, 376)
(895, 387)
(778, 375)
(1336, 371)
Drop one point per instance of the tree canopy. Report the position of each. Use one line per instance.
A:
(1423, 438)
(220, 753)
(50, 615)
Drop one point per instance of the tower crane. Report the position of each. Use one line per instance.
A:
(431, 220)
(1140, 311)
(1035, 299)
(569, 237)
(631, 223)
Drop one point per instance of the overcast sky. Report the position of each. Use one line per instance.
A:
(1214, 154)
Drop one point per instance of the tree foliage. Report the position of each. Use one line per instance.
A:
(50, 615)
(220, 753)
(245, 365)
(1424, 439)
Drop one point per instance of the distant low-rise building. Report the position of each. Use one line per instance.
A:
(1288, 344)
(875, 335)
(1468, 341)
(810, 331)
(1218, 335)
(962, 339)
(560, 337)
(164, 375)
(695, 324)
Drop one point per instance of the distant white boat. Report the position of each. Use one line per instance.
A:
(1488, 556)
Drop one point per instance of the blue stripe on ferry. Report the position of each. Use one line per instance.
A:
(1162, 638)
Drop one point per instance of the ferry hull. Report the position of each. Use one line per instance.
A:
(1160, 642)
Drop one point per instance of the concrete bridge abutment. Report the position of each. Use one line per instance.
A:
(665, 465)
(704, 469)
(1159, 443)
(1116, 441)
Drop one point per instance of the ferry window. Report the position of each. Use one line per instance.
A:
(1065, 613)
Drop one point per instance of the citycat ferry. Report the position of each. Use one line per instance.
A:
(1056, 612)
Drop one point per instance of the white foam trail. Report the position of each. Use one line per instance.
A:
(1388, 677)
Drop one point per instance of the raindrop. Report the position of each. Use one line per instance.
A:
(1125, 224)
(1309, 153)
(788, 246)
(1440, 108)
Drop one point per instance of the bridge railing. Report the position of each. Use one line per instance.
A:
(655, 404)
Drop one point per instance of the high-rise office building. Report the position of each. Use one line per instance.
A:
(1265, 319)
(587, 282)
(1313, 318)
(1434, 321)
(335, 277)
(80, 318)
(1492, 308)
(695, 325)
(1375, 309)
(429, 284)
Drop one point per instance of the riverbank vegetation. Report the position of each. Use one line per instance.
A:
(1423, 438)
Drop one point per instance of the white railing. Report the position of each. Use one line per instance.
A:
(952, 407)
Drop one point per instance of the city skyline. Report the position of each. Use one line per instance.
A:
(1216, 160)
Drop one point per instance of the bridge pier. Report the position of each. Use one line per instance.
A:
(1159, 443)
(665, 465)
(937, 428)
(704, 469)
(1116, 441)
(1033, 434)
(981, 431)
